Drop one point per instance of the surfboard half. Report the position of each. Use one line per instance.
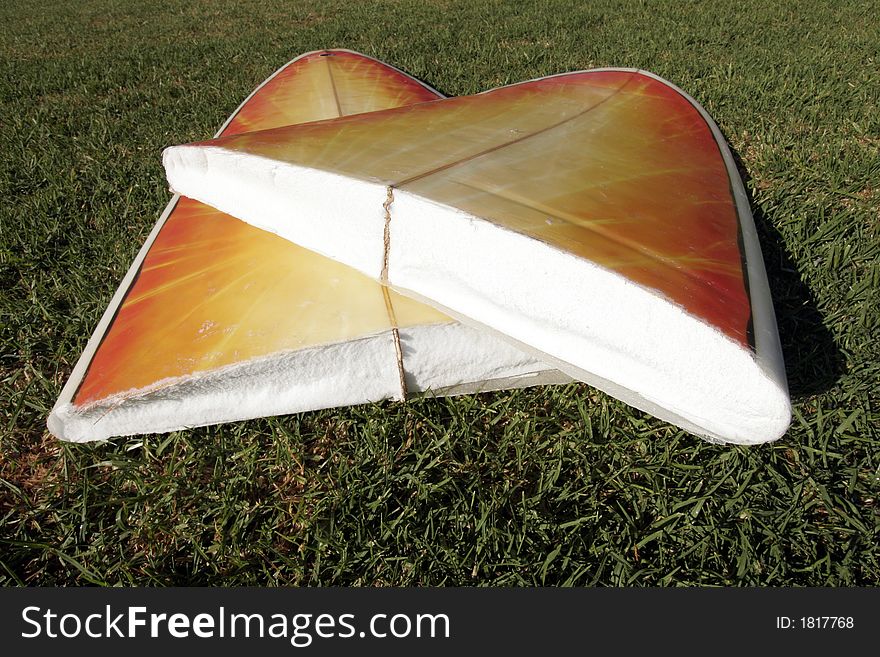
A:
(595, 218)
(219, 321)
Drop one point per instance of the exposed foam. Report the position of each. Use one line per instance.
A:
(349, 219)
(594, 324)
(307, 379)
(455, 357)
(597, 325)
(444, 359)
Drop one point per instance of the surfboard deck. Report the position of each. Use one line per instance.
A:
(219, 321)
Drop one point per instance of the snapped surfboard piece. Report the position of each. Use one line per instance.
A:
(594, 218)
(219, 321)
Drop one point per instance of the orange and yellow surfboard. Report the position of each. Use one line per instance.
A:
(219, 321)
(595, 218)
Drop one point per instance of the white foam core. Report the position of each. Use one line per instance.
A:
(447, 358)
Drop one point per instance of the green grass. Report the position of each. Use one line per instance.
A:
(554, 486)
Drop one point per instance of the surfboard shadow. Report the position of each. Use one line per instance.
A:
(813, 362)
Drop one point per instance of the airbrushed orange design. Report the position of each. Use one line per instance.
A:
(325, 85)
(214, 291)
(613, 166)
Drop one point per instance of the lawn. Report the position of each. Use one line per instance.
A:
(555, 485)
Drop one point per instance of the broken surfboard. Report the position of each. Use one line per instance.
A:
(594, 219)
(218, 321)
